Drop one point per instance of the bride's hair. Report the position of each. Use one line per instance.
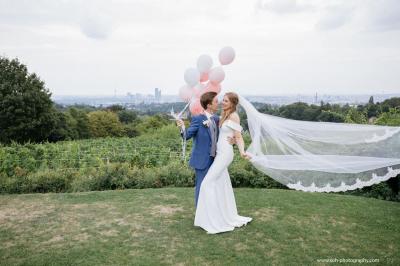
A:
(234, 100)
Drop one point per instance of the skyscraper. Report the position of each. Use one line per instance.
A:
(157, 95)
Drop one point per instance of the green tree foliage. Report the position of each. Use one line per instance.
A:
(372, 110)
(300, 111)
(329, 116)
(26, 110)
(356, 117)
(151, 123)
(131, 130)
(391, 118)
(62, 130)
(371, 100)
(127, 116)
(115, 108)
(78, 122)
(104, 124)
(392, 102)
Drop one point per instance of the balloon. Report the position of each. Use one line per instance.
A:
(203, 77)
(192, 76)
(186, 93)
(204, 63)
(198, 90)
(195, 107)
(216, 75)
(213, 87)
(226, 55)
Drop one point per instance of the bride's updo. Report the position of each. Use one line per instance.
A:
(234, 100)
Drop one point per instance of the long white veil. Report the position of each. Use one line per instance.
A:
(322, 156)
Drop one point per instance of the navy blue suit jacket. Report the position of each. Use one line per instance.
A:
(201, 135)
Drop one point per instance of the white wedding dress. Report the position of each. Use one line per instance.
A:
(216, 210)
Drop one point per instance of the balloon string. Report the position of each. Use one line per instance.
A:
(184, 146)
(183, 110)
(184, 134)
(176, 117)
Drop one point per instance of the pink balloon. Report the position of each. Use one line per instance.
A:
(195, 107)
(213, 87)
(203, 77)
(185, 93)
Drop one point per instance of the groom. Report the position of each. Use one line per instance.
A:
(204, 128)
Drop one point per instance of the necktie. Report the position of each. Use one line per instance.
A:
(213, 129)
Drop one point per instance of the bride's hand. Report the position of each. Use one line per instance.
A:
(231, 140)
(245, 156)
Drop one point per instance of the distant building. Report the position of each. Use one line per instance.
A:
(157, 94)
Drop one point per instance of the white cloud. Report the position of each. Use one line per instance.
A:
(96, 25)
(381, 15)
(80, 47)
(283, 6)
(334, 17)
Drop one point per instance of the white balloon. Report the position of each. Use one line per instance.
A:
(216, 75)
(204, 63)
(192, 76)
(226, 55)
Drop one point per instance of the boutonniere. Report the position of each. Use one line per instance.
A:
(206, 123)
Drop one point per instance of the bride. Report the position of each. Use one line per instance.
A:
(216, 208)
(308, 156)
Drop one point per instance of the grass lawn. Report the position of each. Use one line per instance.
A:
(155, 226)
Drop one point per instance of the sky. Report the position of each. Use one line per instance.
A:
(282, 46)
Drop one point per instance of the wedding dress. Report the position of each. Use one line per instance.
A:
(216, 207)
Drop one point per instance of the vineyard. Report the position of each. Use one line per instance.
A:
(142, 151)
(152, 160)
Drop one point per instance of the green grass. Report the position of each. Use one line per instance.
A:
(155, 226)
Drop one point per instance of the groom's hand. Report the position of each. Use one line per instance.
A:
(231, 140)
(179, 122)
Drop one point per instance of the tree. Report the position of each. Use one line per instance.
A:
(356, 117)
(371, 100)
(26, 110)
(79, 122)
(115, 108)
(126, 116)
(151, 123)
(329, 116)
(104, 124)
(62, 130)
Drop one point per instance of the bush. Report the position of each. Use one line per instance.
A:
(243, 174)
(380, 191)
(391, 118)
(48, 181)
(176, 174)
(130, 130)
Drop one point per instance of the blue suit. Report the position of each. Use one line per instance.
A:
(200, 158)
